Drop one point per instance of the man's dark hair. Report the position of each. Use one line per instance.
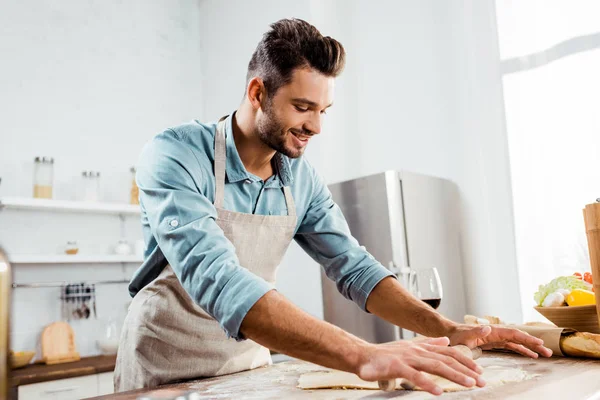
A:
(290, 44)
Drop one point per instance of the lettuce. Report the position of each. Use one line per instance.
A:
(562, 282)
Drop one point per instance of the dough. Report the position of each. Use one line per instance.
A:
(494, 375)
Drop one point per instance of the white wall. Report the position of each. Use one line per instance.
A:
(87, 82)
(483, 173)
(90, 82)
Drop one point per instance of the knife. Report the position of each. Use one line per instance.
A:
(390, 385)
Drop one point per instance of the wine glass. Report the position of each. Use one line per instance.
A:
(427, 286)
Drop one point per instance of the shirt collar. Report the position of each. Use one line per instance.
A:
(235, 169)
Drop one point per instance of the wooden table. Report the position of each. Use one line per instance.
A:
(559, 378)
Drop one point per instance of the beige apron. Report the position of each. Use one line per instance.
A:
(167, 337)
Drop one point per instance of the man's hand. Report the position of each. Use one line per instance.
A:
(409, 359)
(495, 337)
(276, 323)
(390, 301)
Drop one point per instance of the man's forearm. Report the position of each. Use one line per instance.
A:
(390, 301)
(279, 325)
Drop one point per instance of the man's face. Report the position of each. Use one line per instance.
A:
(291, 117)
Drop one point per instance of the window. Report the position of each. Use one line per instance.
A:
(550, 54)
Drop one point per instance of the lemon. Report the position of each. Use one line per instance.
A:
(581, 297)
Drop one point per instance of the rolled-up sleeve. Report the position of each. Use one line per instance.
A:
(183, 221)
(325, 236)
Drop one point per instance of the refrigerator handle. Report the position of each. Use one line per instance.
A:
(407, 277)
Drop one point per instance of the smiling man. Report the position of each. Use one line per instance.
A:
(222, 201)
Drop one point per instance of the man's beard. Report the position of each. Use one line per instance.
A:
(271, 132)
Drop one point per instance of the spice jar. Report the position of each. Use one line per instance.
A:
(135, 191)
(43, 177)
(90, 186)
(71, 247)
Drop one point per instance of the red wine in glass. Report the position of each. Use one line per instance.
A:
(434, 303)
(427, 286)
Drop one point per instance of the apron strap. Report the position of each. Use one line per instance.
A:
(220, 158)
(289, 201)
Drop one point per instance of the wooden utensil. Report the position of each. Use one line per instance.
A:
(390, 385)
(58, 344)
(591, 216)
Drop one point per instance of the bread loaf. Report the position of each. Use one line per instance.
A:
(581, 344)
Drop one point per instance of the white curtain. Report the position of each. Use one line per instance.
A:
(550, 54)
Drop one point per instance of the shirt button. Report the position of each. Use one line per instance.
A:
(248, 181)
(174, 223)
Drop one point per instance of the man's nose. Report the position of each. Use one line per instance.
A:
(314, 124)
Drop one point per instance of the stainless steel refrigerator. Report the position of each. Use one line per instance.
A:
(407, 221)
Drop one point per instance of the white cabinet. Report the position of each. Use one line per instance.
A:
(69, 389)
(105, 384)
(63, 389)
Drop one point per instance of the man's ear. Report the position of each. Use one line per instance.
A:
(256, 92)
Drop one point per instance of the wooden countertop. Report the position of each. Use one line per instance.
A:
(559, 378)
(35, 373)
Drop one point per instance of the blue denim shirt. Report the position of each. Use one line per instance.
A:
(175, 174)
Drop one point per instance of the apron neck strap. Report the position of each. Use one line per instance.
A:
(289, 201)
(220, 158)
(220, 162)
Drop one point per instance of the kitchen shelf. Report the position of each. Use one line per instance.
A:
(24, 203)
(73, 259)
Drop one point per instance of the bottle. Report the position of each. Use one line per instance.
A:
(90, 186)
(43, 177)
(135, 191)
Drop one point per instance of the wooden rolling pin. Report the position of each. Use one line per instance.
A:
(591, 216)
(392, 384)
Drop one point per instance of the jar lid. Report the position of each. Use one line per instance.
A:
(91, 174)
(49, 160)
(132, 169)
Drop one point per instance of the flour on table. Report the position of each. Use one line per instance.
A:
(494, 375)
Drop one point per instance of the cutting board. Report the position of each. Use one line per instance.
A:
(58, 344)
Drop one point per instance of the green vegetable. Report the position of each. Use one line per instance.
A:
(562, 282)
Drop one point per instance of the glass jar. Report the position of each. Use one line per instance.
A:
(71, 247)
(108, 341)
(90, 186)
(134, 193)
(43, 177)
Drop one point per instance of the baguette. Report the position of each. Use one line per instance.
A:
(581, 344)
